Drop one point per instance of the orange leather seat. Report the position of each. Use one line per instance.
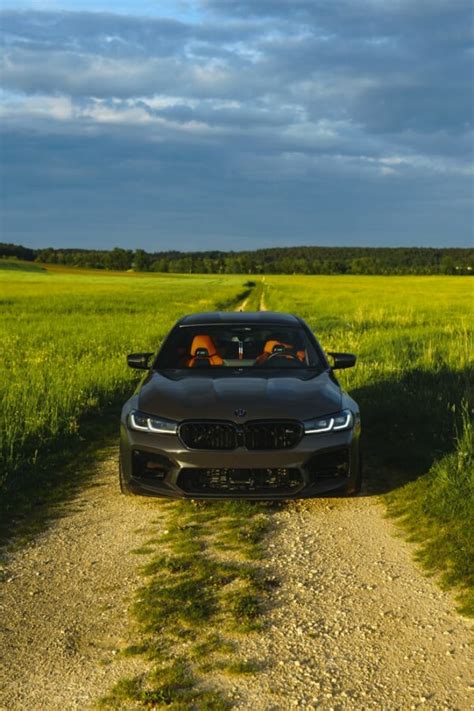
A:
(204, 350)
(268, 350)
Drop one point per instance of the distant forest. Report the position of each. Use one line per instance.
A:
(286, 260)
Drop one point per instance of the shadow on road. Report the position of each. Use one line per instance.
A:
(44, 491)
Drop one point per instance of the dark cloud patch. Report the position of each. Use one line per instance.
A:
(100, 190)
(366, 17)
(240, 118)
(82, 75)
(414, 107)
(104, 33)
(383, 64)
(115, 35)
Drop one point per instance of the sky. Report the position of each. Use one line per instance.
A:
(236, 124)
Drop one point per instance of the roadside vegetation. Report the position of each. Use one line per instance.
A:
(203, 590)
(17, 265)
(63, 344)
(413, 381)
(436, 510)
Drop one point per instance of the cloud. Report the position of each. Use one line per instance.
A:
(262, 105)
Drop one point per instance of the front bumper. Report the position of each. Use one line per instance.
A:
(160, 465)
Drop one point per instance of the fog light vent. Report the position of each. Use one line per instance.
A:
(150, 466)
(329, 465)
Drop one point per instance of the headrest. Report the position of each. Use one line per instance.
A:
(270, 346)
(202, 353)
(203, 341)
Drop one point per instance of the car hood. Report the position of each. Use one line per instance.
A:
(204, 397)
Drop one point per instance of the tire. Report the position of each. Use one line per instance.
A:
(122, 483)
(358, 482)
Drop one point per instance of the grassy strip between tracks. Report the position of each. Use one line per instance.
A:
(204, 588)
(255, 294)
(436, 511)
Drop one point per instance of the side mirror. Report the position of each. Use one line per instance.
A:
(139, 360)
(342, 360)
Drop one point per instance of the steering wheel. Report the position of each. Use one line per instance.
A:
(283, 354)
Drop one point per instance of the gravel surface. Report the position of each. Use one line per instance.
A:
(65, 596)
(353, 624)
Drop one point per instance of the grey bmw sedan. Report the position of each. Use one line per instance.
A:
(240, 405)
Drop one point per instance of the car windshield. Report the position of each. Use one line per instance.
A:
(238, 346)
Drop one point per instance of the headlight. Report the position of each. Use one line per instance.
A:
(331, 423)
(149, 423)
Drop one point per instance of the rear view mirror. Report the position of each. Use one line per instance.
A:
(342, 360)
(139, 360)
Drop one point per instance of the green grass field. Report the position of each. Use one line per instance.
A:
(64, 338)
(413, 342)
(65, 334)
(414, 382)
(16, 265)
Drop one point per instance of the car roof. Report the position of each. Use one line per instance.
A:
(236, 317)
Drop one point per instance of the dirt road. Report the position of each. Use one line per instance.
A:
(354, 624)
(64, 600)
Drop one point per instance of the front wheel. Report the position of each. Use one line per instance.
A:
(123, 484)
(358, 482)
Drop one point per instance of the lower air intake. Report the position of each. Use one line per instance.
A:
(240, 481)
(328, 465)
(150, 466)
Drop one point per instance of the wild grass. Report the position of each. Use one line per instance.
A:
(412, 337)
(204, 588)
(436, 510)
(413, 381)
(63, 342)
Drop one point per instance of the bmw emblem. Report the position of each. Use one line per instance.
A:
(240, 412)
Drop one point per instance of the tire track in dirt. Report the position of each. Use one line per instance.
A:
(65, 597)
(354, 623)
(262, 306)
(242, 306)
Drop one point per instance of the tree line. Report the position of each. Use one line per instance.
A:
(275, 260)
